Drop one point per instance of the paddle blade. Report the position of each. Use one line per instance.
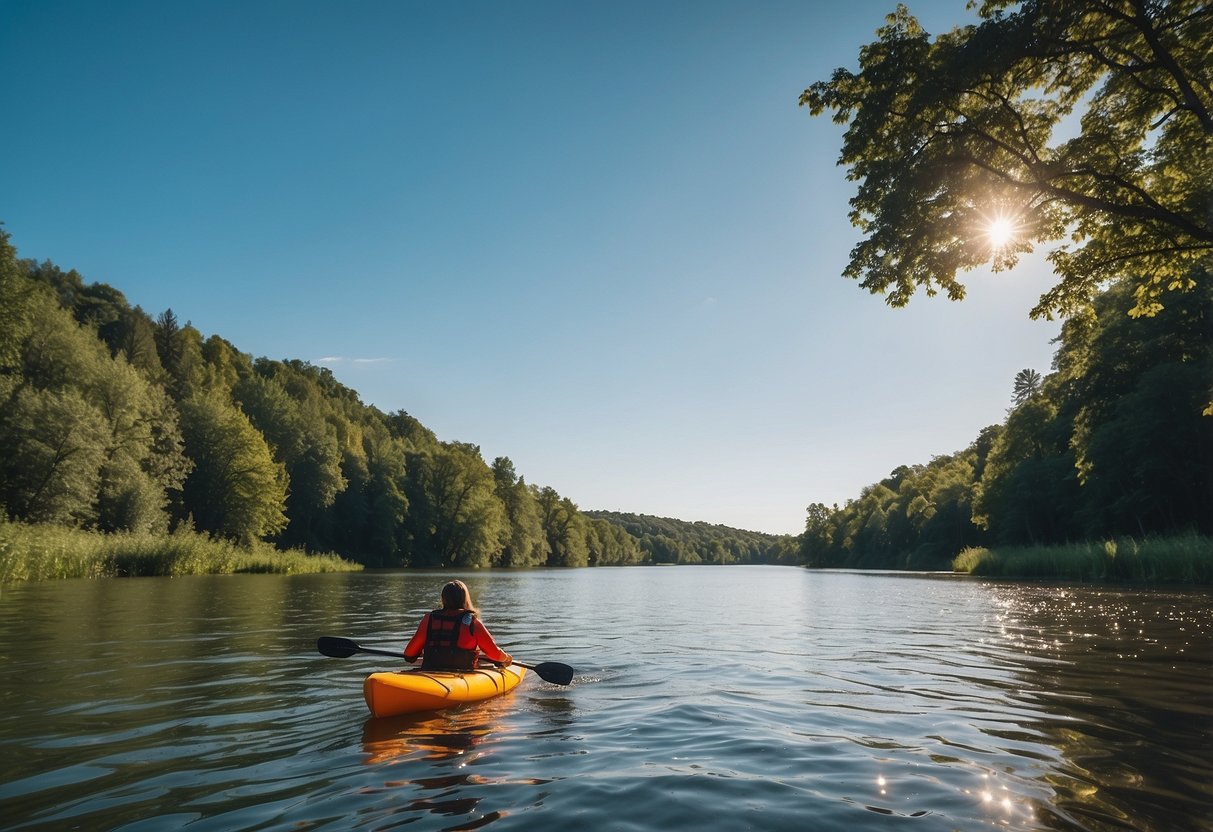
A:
(338, 648)
(554, 672)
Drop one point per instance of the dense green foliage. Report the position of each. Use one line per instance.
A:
(1111, 443)
(664, 540)
(1182, 559)
(43, 551)
(117, 422)
(1084, 124)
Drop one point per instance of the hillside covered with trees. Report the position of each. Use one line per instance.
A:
(114, 420)
(666, 540)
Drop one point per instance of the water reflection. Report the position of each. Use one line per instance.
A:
(1100, 680)
(433, 738)
(415, 749)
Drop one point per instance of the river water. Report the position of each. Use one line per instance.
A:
(717, 698)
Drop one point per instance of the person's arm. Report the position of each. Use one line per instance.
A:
(417, 642)
(486, 645)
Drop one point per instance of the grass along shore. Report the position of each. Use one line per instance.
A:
(1186, 559)
(37, 552)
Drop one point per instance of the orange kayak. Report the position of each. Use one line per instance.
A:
(392, 693)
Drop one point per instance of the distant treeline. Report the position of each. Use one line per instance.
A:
(664, 540)
(1115, 442)
(114, 421)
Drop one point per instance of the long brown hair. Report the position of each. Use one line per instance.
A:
(456, 596)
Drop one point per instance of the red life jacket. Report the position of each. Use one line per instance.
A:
(442, 650)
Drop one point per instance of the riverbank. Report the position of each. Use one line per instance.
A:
(36, 553)
(1186, 559)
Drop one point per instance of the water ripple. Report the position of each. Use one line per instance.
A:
(706, 698)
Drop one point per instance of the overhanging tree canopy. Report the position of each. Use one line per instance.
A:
(958, 145)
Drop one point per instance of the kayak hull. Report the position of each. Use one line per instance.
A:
(392, 693)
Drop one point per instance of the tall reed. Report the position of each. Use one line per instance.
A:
(37, 552)
(1184, 559)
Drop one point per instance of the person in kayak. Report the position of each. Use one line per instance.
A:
(452, 638)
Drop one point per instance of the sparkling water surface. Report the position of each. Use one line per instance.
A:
(717, 698)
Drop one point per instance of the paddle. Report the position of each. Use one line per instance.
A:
(341, 648)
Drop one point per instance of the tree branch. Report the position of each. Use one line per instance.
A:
(1167, 60)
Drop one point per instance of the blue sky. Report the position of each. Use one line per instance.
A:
(599, 238)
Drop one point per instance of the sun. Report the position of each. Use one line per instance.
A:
(1000, 232)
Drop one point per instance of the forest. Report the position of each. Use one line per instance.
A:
(117, 421)
(1110, 443)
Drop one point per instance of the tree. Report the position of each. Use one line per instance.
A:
(565, 528)
(1150, 463)
(610, 545)
(457, 519)
(135, 339)
(53, 445)
(1142, 449)
(224, 365)
(527, 545)
(405, 427)
(941, 512)
(1029, 489)
(383, 492)
(144, 456)
(818, 534)
(955, 143)
(236, 489)
(15, 307)
(166, 338)
(304, 443)
(87, 438)
(366, 518)
(1027, 383)
(192, 374)
(1106, 356)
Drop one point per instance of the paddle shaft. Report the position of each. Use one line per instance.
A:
(396, 655)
